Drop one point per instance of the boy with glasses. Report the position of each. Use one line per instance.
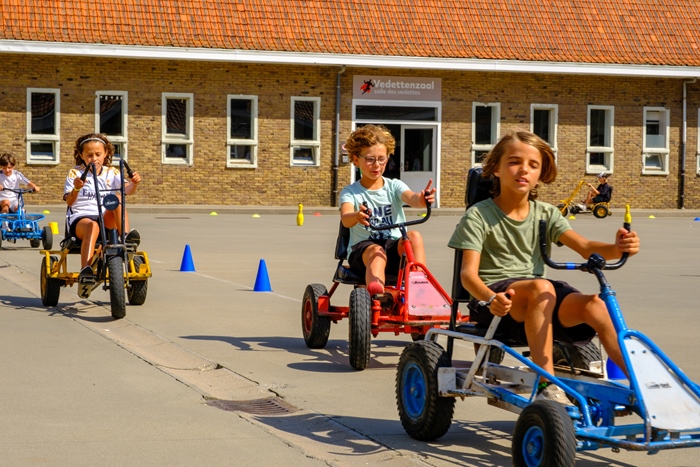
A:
(371, 253)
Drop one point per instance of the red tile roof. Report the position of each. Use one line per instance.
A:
(641, 32)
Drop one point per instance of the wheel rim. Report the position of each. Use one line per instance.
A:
(308, 317)
(533, 446)
(414, 390)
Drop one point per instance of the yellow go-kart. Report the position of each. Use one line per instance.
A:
(117, 264)
(600, 210)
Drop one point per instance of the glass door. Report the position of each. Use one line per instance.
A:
(418, 156)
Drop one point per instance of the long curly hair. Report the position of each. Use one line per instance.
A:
(493, 159)
(78, 148)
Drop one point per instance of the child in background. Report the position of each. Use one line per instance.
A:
(503, 269)
(371, 252)
(11, 178)
(602, 194)
(82, 213)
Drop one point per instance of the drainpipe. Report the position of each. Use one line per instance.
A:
(336, 142)
(684, 138)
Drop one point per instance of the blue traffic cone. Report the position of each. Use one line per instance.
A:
(614, 371)
(262, 281)
(187, 264)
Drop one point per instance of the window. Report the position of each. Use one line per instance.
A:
(242, 131)
(43, 126)
(543, 118)
(656, 142)
(599, 153)
(485, 129)
(110, 120)
(305, 132)
(177, 137)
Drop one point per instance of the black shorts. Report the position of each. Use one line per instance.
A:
(600, 199)
(71, 231)
(393, 259)
(581, 333)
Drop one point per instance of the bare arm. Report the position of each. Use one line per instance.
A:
(476, 287)
(417, 199)
(625, 242)
(349, 217)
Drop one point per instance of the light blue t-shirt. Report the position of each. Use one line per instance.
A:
(386, 206)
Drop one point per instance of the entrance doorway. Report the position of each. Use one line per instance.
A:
(414, 159)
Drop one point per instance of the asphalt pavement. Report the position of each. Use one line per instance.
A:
(210, 372)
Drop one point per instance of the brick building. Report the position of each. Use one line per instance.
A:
(248, 102)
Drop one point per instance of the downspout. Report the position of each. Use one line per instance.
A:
(336, 142)
(684, 139)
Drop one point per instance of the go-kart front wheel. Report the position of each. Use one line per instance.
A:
(117, 299)
(315, 328)
(47, 237)
(544, 435)
(360, 332)
(137, 289)
(424, 414)
(50, 288)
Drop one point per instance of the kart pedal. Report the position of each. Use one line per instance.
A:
(84, 290)
(386, 300)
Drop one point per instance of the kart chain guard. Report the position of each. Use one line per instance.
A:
(423, 298)
(669, 403)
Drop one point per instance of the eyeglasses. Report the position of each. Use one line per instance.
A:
(371, 160)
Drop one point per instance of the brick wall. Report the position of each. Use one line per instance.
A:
(274, 182)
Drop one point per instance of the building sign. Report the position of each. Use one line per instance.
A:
(404, 88)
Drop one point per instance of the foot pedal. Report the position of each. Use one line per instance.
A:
(386, 300)
(84, 290)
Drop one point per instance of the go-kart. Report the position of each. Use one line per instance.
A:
(600, 209)
(20, 225)
(116, 265)
(547, 433)
(413, 301)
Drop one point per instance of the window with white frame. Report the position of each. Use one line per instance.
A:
(177, 132)
(242, 131)
(305, 141)
(485, 129)
(600, 129)
(655, 148)
(110, 120)
(43, 126)
(543, 123)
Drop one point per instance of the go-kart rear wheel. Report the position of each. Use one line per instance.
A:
(315, 328)
(424, 414)
(117, 297)
(360, 333)
(50, 288)
(34, 242)
(565, 354)
(544, 435)
(46, 238)
(600, 211)
(137, 289)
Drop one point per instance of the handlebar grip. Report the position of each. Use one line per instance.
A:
(129, 172)
(88, 168)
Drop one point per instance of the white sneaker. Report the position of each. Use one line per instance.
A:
(554, 393)
(582, 207)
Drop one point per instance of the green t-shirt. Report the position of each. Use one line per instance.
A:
(508, 248)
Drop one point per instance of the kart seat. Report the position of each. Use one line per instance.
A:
(343, 273)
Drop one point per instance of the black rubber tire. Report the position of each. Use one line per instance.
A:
(565, 354)
(50, 288)
(315, 328)
(137, 290)
(563, 209)
(34, 242)
(600, 211)
(47, 237)
(544, 435)
(424, 414)
(117, 294)
(360, 329)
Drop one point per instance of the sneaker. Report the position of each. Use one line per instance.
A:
(134, 237)
(86, 276)
(582, 207)
(553, 393)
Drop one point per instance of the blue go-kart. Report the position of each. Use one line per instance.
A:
(20, 225)
(661, 404)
